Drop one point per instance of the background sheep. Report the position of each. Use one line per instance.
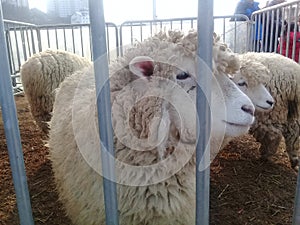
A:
(41, 74)
(251, 79)
(155, 175)
(284, 119)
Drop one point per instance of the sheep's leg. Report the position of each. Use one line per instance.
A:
(292, 142)
(269, 138)
(41, 109)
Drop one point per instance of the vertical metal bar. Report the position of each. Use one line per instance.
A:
(48, 37)
(21, 30)
(12, 134)
(296, 215)
(103, 100)
(17, 47)
(131, 34)
(73, 40)
(38, 33)
(10, 52)
(295, 30)
(28, 41)
(32, 41)
(117, 40)
(81, 42)
(56, 37)
(141, 31)
(65, 39)
(205, 26)
(121, 39)
(224, 29)
(154, 10)
(107, 41)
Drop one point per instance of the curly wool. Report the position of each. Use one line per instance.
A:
(284, 119)
(254, 71)
(224, 59)
(41, 74)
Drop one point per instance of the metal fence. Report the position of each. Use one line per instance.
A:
(276, 29)
(23, 40)
(225, 26)
(20, 41)
(273, 29)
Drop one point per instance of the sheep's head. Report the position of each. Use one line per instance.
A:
(251, 79)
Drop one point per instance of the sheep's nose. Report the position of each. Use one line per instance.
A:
(248, 109)
(271, 103)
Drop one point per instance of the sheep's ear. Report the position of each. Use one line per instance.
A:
(142, 66)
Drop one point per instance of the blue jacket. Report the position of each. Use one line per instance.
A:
(246, 8)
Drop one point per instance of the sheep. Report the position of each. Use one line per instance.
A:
(153, 91)
(284, 119)
(275, 118)
(41, 74)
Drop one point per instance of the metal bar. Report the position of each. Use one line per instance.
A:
(104, 109)
(65, 39)
(81, 42)
(12, 134)
(296, 215)
(56, 38)
(39, 39)
(73, 40)
(205, 25)
(48, 38)
(107, 41)
(23, 43)
(17, 47)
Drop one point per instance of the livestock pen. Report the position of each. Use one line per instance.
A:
(12, 130)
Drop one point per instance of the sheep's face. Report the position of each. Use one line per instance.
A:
(239, 109)
(256, 91)
(175, 85)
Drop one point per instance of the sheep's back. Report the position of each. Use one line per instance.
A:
(41, 74)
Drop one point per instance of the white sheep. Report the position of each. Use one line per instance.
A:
(284, 119)
(280, 75)
(154, 119)
(41, 74)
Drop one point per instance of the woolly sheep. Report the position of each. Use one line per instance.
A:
(280, 75)
(41, 74)
(284, 119)
(154, 119)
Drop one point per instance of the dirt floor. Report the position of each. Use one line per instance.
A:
(244, 189)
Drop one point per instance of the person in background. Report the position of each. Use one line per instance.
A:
(245, 7)
(290, 38)
(270, 38)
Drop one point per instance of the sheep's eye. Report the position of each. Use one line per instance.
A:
(242, 83)
(182, 76)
